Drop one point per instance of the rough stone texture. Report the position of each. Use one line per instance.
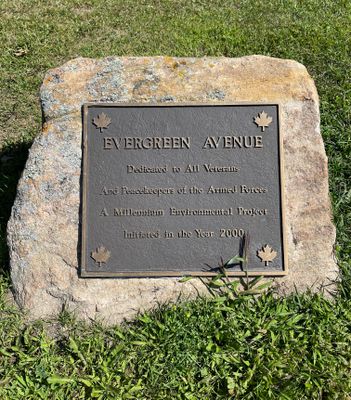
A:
(43, 230)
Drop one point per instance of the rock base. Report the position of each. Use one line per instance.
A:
(44, 227)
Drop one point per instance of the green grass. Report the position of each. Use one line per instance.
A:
(245, 348)
(213, 348)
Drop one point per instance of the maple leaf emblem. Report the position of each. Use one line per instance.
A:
(102, 121)
(267, 254)
(101, 255)
(263, 120)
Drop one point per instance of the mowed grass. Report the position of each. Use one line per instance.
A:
(231, 346)
(222, 347)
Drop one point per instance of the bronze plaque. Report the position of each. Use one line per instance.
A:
(170, 190)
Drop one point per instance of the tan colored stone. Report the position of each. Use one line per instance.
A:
(43, 230)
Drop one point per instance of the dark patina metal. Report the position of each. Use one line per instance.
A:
(170, 190)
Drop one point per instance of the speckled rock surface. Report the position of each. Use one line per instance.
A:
(43, 229)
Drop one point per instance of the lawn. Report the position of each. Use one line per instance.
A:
(232, 345)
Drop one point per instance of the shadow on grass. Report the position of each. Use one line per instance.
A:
(12, 161)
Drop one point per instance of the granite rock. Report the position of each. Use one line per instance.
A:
(43, 229)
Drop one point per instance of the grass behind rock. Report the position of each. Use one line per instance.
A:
(243, 348)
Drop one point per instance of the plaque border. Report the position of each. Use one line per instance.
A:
(83, 273)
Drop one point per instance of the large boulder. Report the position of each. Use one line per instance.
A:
(43, 232)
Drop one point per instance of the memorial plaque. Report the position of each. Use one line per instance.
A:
(170, 190)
